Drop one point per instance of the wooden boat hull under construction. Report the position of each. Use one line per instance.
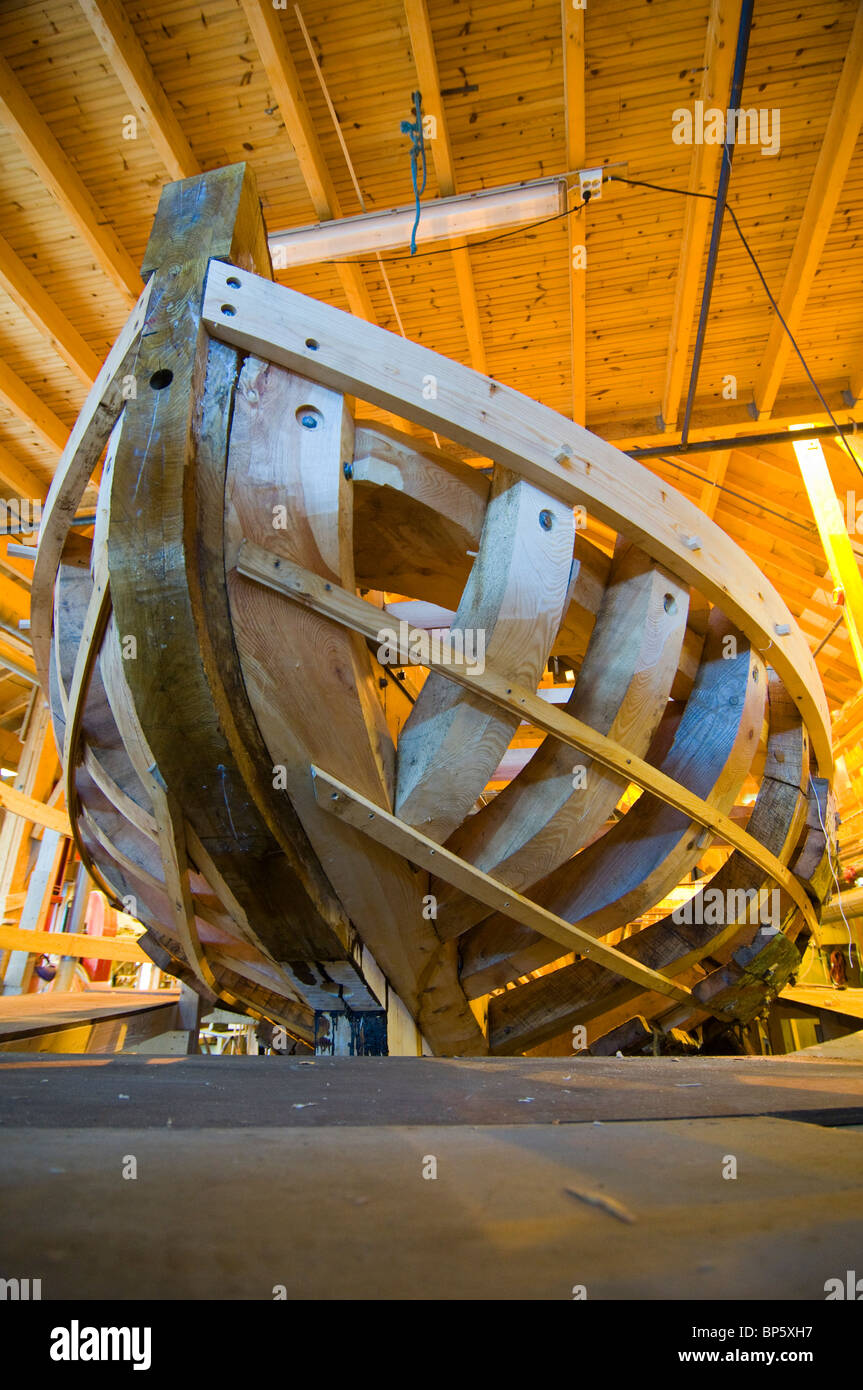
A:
(298, 827)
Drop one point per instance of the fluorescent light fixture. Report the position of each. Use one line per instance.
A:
(489, 210)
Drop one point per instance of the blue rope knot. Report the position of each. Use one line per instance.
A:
(414, 129)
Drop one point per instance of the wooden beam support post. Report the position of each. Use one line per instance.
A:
(837, 150)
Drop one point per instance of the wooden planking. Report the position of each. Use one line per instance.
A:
(72, 944)
(19, 804)
(124, 52)
(722, 25)
(523, 435)
(837, 149)
(572, 26)
(42, 150)
(306, 588)
(266, 27)
(422, 47)
(24, 289)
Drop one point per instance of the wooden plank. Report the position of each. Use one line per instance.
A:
(18, 804)
(674, 946)
(547, 813)
(36, 415)
(532, 440)
(723, 21)
(268, 568)
(572, 22)
(514, 602)
(42, 151)
(85, 444)
(312, 693)
(21, 480)
(266, 29)
(46, 317)
(422, 47)
(126, 55)
(577, 993)
(650, 850)
(348, 805)
(834, 159)
(78, 944)
(166, 555)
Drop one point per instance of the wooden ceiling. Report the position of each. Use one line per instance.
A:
(519, 96)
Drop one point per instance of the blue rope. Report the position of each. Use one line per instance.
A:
(418, 152)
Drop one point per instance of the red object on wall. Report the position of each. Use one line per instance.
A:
(100, 919)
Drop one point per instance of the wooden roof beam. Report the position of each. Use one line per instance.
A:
(49, 163)
(722, 24)
(422, 46)
(837, 149)
(18, 477)
(24, 403)
(126, 55)
(28, 295)
(711, 492)
(576, 154)
(272, 45)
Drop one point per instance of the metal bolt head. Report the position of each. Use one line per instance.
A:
(546, 520)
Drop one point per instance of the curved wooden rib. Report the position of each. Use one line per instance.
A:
(84, 446)
(312, 691)
(647, 853)
(534, 441)
(551, 1004)
(307, 589)
(418, 519)
(514, 601)
(546, 814)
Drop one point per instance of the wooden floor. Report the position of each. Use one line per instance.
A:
(550, 1173)
(90, 1020)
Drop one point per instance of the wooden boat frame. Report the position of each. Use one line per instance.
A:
(210, 265)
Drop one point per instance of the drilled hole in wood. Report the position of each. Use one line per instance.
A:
(232, 282)
(160, 379)
(669, 603)
(229, 310)
(313, 344)
(309, 417)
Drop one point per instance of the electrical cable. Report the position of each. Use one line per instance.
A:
(689, 193)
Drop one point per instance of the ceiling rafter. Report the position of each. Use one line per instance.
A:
(47, 160)
(572, 21)
(38, 417)
(126, 55)
(272, 45)
(18, 477)
(422, 46)
(25, 291)
(837, 149)
(722, 24)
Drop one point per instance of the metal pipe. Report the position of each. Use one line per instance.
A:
(741, 441)
(719, 207)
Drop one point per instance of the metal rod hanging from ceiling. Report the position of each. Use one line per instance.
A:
(719, 209)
